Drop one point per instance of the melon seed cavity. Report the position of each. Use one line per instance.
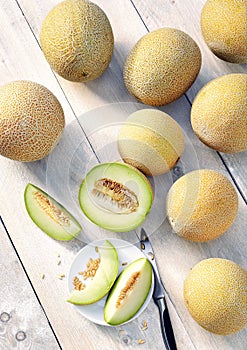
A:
(114, 196)
(127, 289)
(51, 209)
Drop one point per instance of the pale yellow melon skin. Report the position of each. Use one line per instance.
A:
(224, 28)
(162, 66)
(201, 205)
(151, 141)
(215, 293)
(31, 121)
(219, 113)
(77, 40)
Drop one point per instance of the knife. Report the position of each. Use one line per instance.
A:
(159, 295)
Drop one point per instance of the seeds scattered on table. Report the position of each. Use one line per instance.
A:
(141, 341)
(43, 276)
(124, 263)
(144, 325)
(61, 276)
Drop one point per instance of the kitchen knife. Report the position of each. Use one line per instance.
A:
(159, 295)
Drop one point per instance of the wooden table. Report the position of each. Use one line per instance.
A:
(34, 313)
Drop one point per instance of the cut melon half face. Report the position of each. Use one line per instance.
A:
(49, 215)
(100, 284)
(129, 292)
(116, 196)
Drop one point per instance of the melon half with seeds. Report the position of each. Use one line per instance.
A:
(129, 292)
(31, 121)
(116, 196)
(49, 215)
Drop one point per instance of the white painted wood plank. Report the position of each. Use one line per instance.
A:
(23, 324)
(185, 15)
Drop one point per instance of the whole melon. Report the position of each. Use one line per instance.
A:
(151, 141)
(77, 40)
(201, 205)
(31, 121)
(162, 66)
(219, 113)
(224, 28)
(215, 293)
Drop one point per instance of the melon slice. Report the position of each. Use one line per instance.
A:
(49, 215)
(116, 196)
(129, 292)
(103, 279)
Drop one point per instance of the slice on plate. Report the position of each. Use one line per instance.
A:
(98, 286)
(129, 292)
(116, 196)
(49, 215)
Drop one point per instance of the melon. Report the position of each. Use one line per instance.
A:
(50, 215)
(224, 28)
(162, 66)
(219, 113)
(129, 292)
(151, 141)
(215, 293)
(115, 196)
(31, 121)
(201, 205)
(77, 40)
(98, 286)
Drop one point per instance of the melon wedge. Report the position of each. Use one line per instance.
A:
(129, 292)
(103, 280)
(49, 215)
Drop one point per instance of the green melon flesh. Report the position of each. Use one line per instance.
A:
(49, 215)
(105, 212)
(115, 313)
(103, 280)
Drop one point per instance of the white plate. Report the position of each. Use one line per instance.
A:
(126, 253)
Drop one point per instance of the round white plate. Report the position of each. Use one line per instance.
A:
(127, 253)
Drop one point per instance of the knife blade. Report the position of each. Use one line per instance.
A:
(159, 295)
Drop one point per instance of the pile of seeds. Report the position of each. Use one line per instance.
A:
(92, 267)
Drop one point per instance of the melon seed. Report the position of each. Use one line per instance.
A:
(51, 210)
(114, 196)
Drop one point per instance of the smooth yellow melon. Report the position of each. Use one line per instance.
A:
(201, 205)
(162, 66)
(77, 40)
(219, 113)
(215, 293)
(151, 141)
(224, 28)
(31, 121)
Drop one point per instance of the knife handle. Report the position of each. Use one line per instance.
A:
(166, 326)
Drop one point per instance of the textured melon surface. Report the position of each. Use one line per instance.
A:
(103, 280)
(215, 293)
(201, 205)
(49, 215)
(31, 121)
(224, 28)
(77, 40)
(219, 113)
(162, 66)
(129, 292)
(102, 211)
(151, 141)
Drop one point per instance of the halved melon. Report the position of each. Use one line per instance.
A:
(49, 215)
(116, 196)
(102, 281)
(129, 292)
